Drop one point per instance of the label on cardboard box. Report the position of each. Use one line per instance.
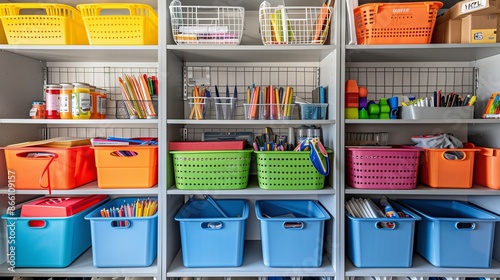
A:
(482, 36)
(472, 6)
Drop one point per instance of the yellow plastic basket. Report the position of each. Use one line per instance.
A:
(107, 25)
(3, 39)
(42, 24)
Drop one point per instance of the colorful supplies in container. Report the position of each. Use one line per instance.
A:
(49, 242)
(287, 170)
(294, 25)
(291, 232)
(124, 232)
(213, 232)
(137, 94)
(370, 238)
(270, 103)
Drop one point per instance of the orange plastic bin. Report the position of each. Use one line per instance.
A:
(126, 166)
(67, 168)
(439, 171)
(487, 167)
(395, 23)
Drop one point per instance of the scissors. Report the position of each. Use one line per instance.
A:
(318, 155)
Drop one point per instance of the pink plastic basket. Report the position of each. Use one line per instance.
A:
(382, 168)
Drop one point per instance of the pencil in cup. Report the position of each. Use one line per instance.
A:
(199, 103)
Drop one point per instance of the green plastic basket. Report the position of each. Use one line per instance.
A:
(211, 170)
(287, 170)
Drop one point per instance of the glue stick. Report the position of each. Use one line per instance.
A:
(388, 210)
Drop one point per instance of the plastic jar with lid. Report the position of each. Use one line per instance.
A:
(38, 110)
(80, 101)
(52, 93)
(65, 101)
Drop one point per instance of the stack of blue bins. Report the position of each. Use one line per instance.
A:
(453, 233)
(49, 242)
(291, 232)
(213, 232)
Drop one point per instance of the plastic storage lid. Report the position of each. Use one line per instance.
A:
(53, 86)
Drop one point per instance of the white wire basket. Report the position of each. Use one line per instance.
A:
(294, 25)
(207, 24)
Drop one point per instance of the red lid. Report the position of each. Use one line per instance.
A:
(59, 206)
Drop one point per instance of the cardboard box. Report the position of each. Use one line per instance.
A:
(469, 22)
(473, 7)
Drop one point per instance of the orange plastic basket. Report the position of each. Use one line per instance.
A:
(439, 172)
(131, 166)
(120, 24)
(395, 23)
(67, 168)
(42, 24)
(487, 167)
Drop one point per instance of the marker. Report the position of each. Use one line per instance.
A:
(389, 211)
(472, 100)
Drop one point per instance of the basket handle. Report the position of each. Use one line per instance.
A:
(293, 225)
(465, 225)
(454, 155)
(133, 9)
(49, 9)
(37, 223)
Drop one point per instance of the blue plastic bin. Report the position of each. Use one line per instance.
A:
(453, 233)
(208, 239)
(291, 232)
(373, 243)
(113, 245)
(53, 242)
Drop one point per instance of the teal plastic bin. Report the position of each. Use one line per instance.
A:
(53, 242)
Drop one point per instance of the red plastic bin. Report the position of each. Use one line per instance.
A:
(382, 168)
(67, 168)
(487, 167)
